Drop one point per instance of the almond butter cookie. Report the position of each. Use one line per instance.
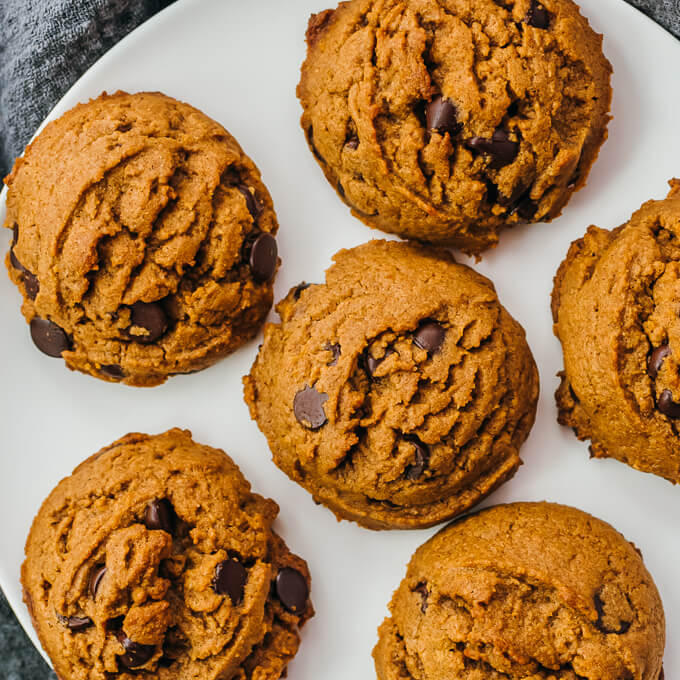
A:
(615, 310)
(447, 120)
(528, 590)
(155, 560)
(399, 392)
(143, 239)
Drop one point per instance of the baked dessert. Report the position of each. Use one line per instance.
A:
(155, 560)
(528, 590)
(614, 306)
(399, 392)
(445, 121)
(143, 239)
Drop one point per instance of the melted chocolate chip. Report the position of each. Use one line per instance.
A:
(308, 408)
(600, 624)
(15, 234)
(136, 655)
(252, 204)
(30, 280)
(262, 257)
(421, 588)
(230, 579)
(112, 371)
(371, 363)
(160, 515)
(352, 142)
(77, 624)
(299, 288)
(526, 209)
(441, 116)
(149, 316)
(422, 455)
(49, 338)
(500, 147)
(538, 16)
(292, 590)
(430, 336)
(96, 579)
(655, 360)
(335, 348)
(667, 406)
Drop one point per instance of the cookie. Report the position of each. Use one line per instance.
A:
(614, 306)
(399, 392)
(529, 590)
(143, 239)
(445, 121)
(154, 559)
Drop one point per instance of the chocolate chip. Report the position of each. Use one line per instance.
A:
(136, 655)
(526, 209)
(30, 280)
(15, 234)
(421, 588)
(292, 590)
(151, 317)
(538, 16)
(48, 337)
(308, 408)
(96, 579)
(252, 204)
(262, 257)
(160, 515)
(335, 348)
(422, 454)
(492, 193)
(430, 336)
(352, 142)
(500, 147)
(623, 626)
(667, 406)
(299, 288)
(371, 363)
(655, 360)
(112, 371)
(230, 579)
(77, 624)
(441, 116)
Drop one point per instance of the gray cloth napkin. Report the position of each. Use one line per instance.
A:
(45, 45)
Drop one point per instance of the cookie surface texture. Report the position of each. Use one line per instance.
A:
(155, 560)
(529, 590)
(615, 311)
(143, 239)
(447, 120)
(400, 391)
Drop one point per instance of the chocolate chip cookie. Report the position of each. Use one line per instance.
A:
(399, 392)
(529, 590)
(615, 310)
(154, 559)
(447, 120)
(143, 239)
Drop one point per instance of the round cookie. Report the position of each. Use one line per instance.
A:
(445, 121)
(154, 559)
(529, 590)
(615, 311)
(143, 239)
(399, 392)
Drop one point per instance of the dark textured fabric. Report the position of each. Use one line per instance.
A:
(45, 45)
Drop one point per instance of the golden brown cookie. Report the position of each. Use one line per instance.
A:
(615, 310)
(399, 392)
(143, 239)
(447, 120)
(154, 559)
(529, 590)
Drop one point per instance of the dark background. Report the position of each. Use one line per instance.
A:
(45, 45)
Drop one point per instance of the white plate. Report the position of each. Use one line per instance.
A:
(239, 62)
